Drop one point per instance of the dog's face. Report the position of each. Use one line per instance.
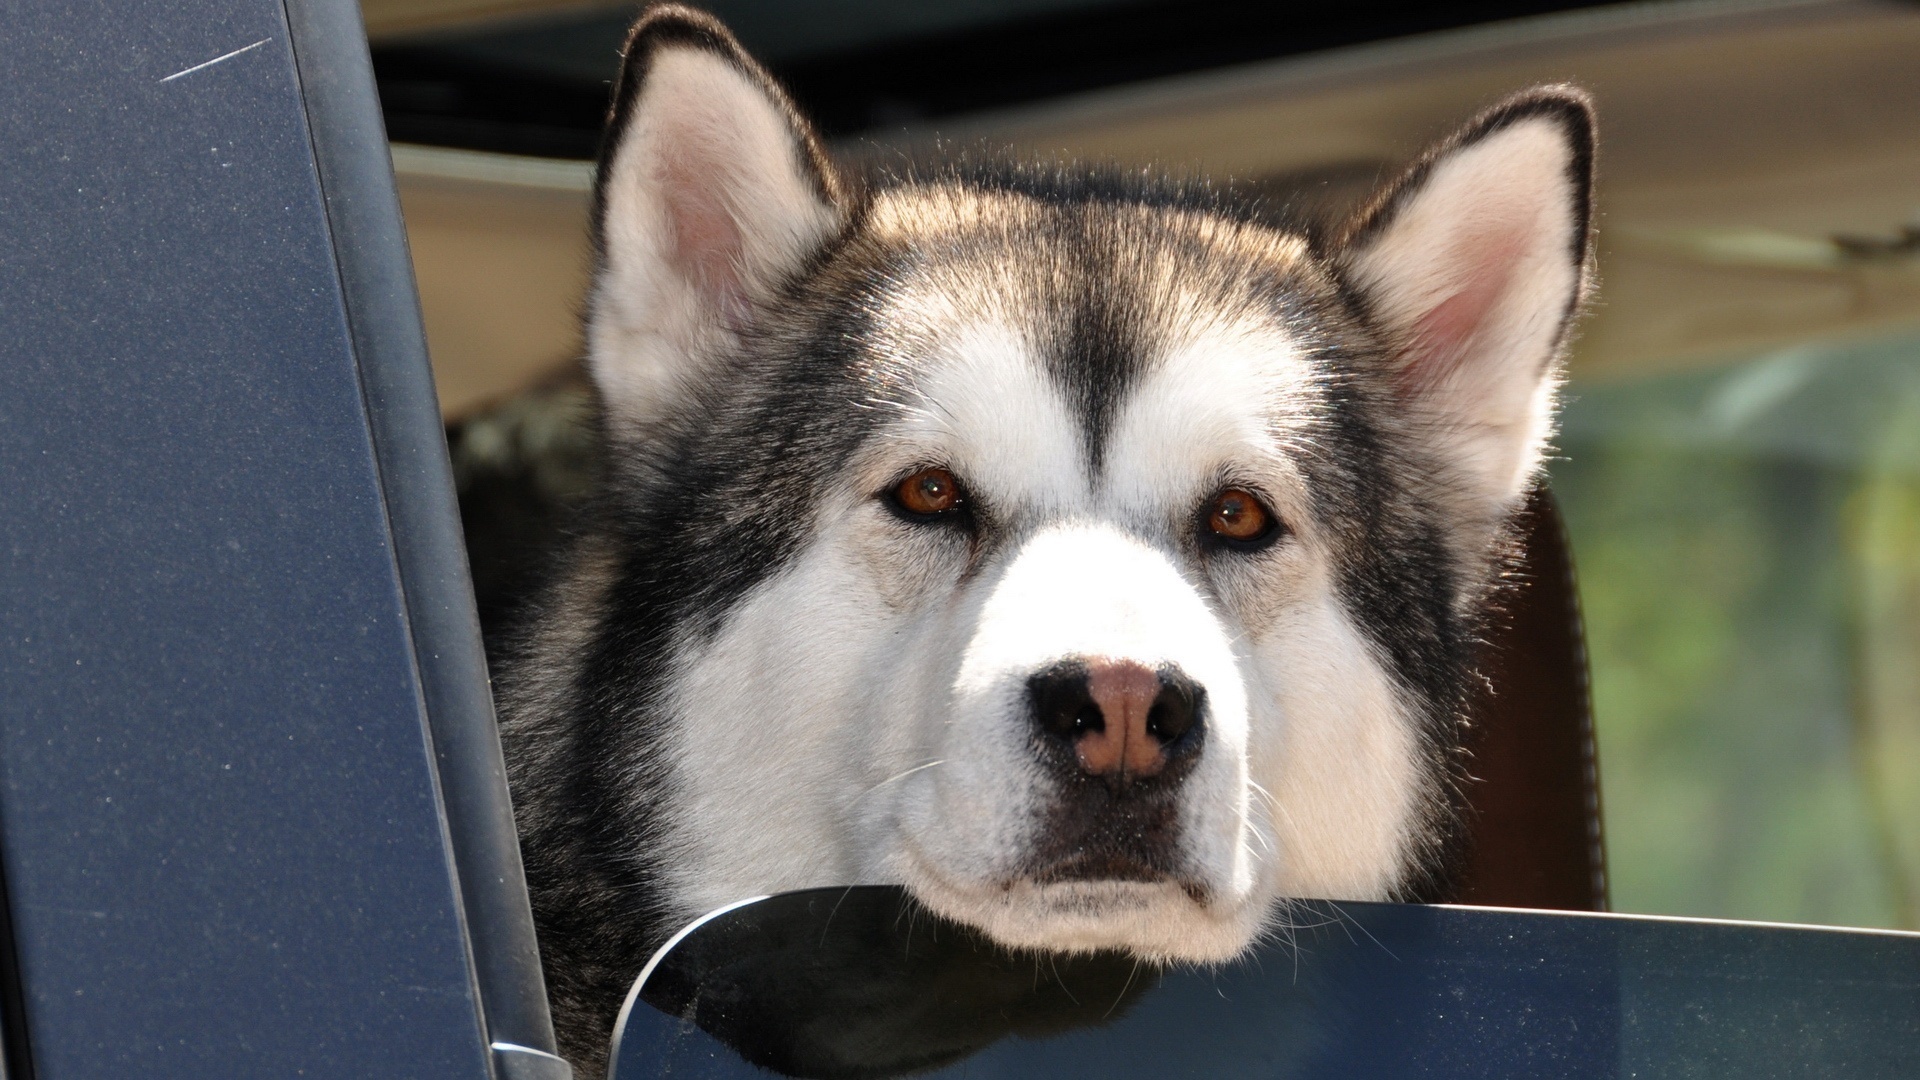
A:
(1098, 563)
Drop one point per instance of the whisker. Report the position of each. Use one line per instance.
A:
(1273, 804)
(901, 776)
(1121, 996)
(1258, 834)
(1338, 910)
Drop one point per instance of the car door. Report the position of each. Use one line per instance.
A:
(252, 810)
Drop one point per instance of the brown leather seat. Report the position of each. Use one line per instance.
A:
(1535, 802)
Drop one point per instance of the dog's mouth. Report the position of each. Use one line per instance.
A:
(1119, 868)
(1081, 880)
(1091, 902)
(1100, 866)
(1095, 870)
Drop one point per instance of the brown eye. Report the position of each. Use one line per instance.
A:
(927, 493)
(1237, 516)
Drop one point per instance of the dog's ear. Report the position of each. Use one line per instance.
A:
(712, 192)
(1474, 264)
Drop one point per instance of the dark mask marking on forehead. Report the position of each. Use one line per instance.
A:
(1082, 239)
(1096, 349)
(1095, 272)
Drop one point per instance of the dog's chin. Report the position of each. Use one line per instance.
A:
(1162, 921)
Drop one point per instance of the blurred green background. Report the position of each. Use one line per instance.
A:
(1748, 539)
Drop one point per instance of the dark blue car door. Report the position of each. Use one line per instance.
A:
(252, 812)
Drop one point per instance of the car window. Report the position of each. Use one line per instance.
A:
(1740, 453)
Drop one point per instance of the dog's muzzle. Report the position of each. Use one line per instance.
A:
(1117, 739)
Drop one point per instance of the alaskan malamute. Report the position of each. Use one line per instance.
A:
(1075, 548)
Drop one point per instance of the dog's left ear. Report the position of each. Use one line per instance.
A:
(712, 192)
(1474, 264)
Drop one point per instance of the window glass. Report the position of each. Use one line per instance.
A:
(842, 983)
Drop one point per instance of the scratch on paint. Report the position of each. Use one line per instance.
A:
(216, 60)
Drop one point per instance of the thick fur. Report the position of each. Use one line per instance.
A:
(757, 675)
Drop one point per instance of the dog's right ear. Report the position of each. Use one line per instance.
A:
(712, 192)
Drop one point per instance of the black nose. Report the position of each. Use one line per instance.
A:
(1117, 718)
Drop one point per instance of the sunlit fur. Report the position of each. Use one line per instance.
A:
(756, 675)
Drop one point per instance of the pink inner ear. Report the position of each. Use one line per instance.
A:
(1442, 337)
(707, 243)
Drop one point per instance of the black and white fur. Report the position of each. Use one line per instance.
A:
(755, 675)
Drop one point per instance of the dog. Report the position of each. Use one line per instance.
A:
(1081, 550)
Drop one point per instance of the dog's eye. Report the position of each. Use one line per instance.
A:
(928, 493)
(1239, 517)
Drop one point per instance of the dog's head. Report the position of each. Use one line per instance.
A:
(1090, 557)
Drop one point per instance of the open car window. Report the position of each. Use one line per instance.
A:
(1733, 460)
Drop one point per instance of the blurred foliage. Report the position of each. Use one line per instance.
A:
(1748, 540)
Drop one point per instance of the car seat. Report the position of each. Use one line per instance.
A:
(1534, 801)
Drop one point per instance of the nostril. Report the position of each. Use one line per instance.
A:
(1117, 718)
(1165, 721)
(1175, 708)
(1063, 706)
